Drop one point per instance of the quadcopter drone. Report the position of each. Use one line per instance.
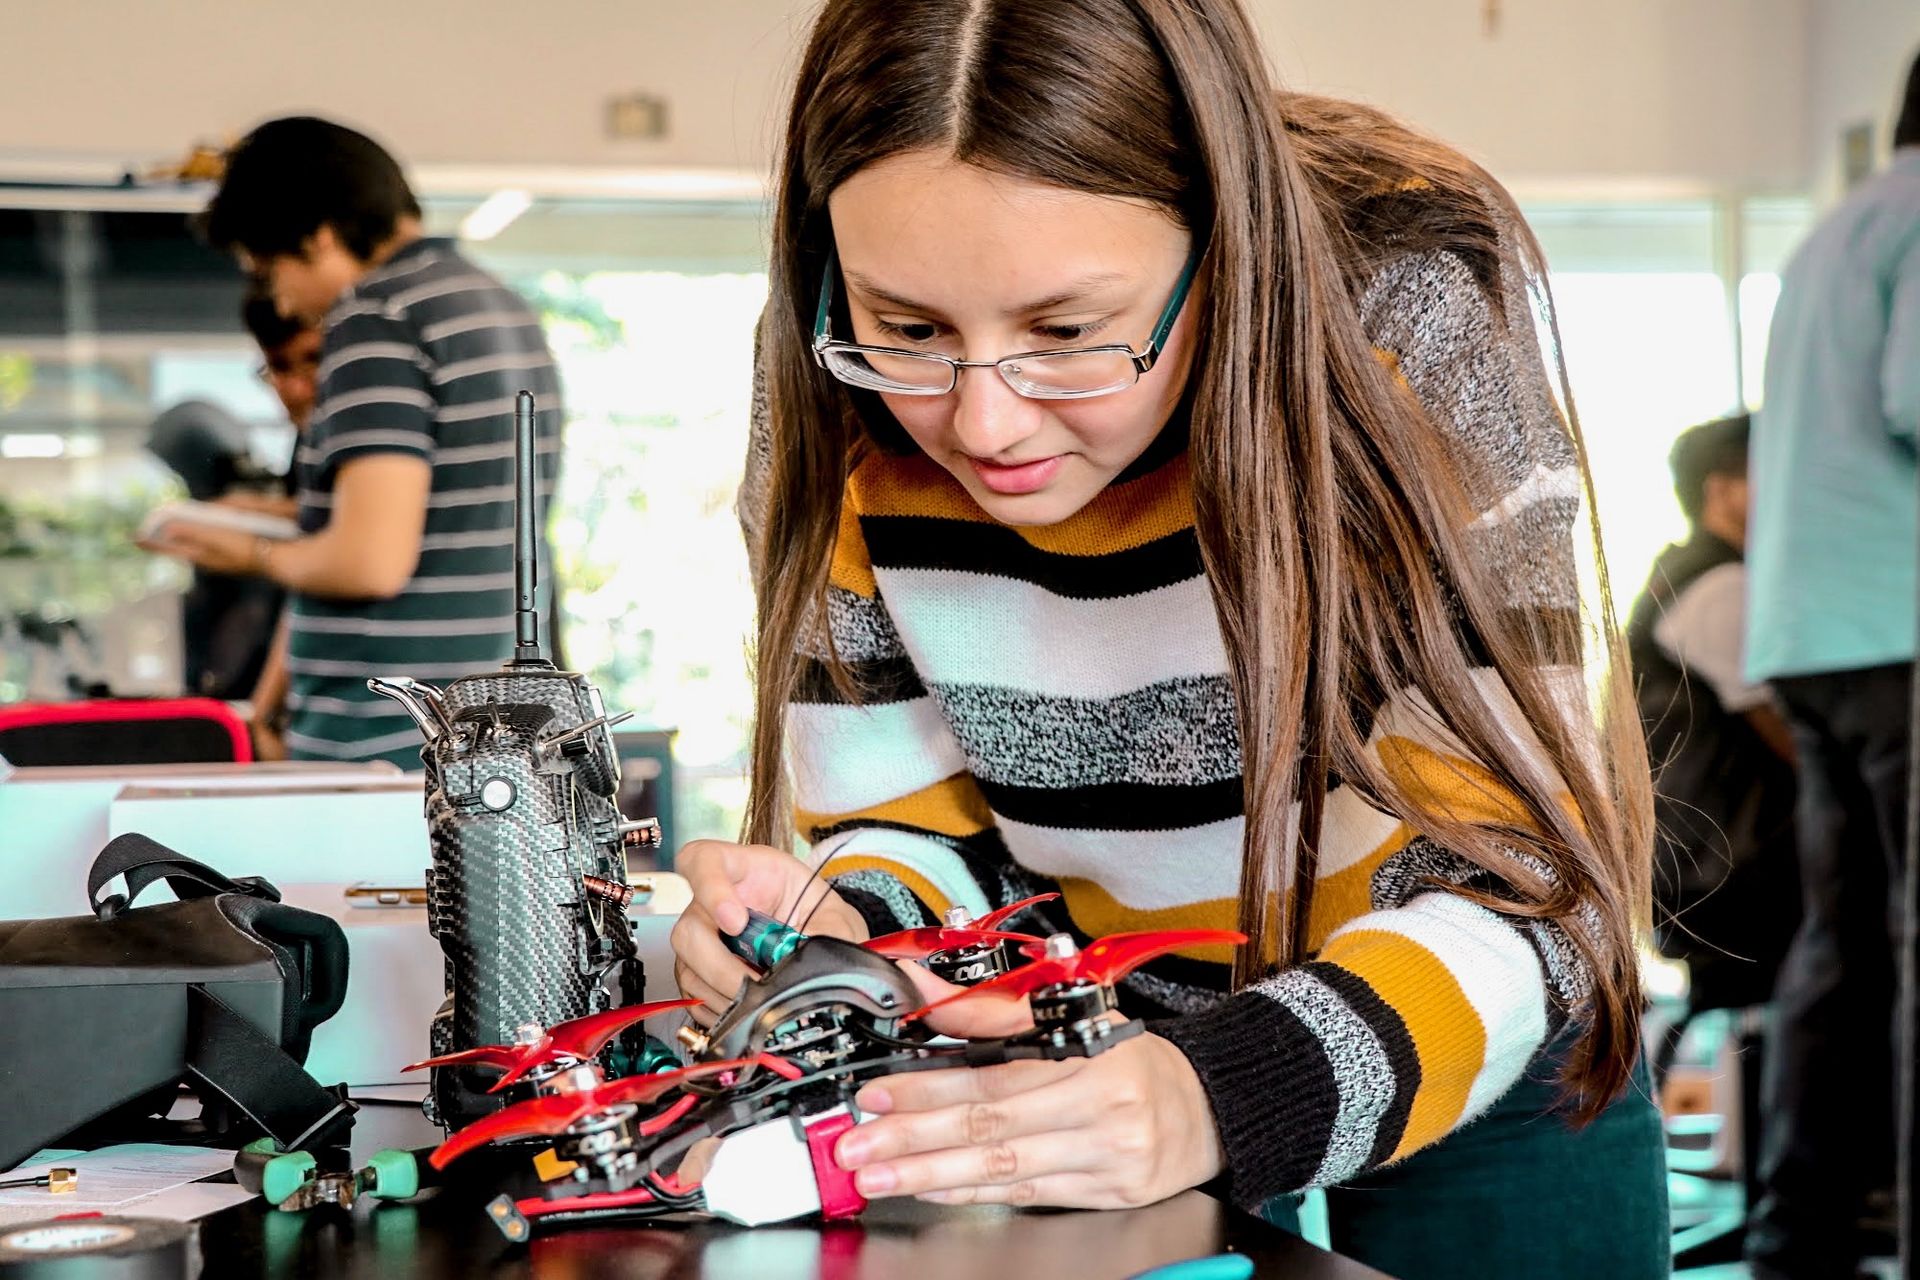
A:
(775, 1077)
(528, 895)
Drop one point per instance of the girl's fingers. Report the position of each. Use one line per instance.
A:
(1048, 1103)
(703, 966)
(1017, 1160)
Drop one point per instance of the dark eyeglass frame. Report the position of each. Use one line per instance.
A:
(824, 344)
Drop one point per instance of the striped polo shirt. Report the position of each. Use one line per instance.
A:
(423, 356)
(1050, 708)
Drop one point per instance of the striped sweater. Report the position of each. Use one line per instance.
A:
(1049, 708)
(422, 357)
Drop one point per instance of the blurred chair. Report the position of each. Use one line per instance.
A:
(123, 731)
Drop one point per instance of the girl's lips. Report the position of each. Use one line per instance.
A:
(1025, 477)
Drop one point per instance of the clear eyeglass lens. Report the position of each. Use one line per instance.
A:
(882, 371)
(1070, 374)
(1065, 376)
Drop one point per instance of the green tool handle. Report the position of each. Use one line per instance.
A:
(764, 942)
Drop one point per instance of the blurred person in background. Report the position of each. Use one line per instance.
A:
(290, 365)
(1725, 878)
(1830, 627)
(405, 475)
(228, 621)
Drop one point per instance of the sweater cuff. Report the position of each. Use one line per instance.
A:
(883, 901)
(1303, 1093)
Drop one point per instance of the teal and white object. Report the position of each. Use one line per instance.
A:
(1219, 1266)
(764, 942)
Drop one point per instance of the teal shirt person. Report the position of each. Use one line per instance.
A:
(1831, 545)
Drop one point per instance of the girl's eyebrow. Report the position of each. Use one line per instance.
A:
(1074, 292)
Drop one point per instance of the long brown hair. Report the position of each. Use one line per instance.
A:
(1330, 510)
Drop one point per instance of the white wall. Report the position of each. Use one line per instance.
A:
(1860, 51)
(1570, 92)
(441, 81)
(1670, 91)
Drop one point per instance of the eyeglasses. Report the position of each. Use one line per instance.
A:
(1071, 373)
(299, 367)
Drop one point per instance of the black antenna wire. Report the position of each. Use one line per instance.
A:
(526, 567)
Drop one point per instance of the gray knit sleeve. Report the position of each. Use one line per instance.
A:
(1478, 370)
(756, 478)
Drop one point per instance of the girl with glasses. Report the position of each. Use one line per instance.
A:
(1161, 498)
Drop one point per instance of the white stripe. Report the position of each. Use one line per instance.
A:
(361, 670)
(497, 451)
(1497, 971)
(972, 628)
(354, 750)
(350, 307)
(393, 627)
(467, 540)
(478, 409)
(477, 320)
(847, 758)
(1350, 829)
(440, 289)
(1546, 483)
(379, 708)
(470, 497)
(1408, 714)
(409, 396)
(941, 866)
(459, 582)
(394, 270)
(410, 441)
(368, 351)
(1144, 870)
(491, 364)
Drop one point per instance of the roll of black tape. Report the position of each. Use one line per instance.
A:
(94, 1248)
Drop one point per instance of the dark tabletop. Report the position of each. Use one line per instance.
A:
(444, 1234)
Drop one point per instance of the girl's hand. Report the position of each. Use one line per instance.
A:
(728, 880)
(1123, 1129)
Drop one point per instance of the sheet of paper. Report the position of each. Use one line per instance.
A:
(188, 1202)
(110, 1179)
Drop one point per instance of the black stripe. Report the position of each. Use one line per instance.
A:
(1394, 1038)
(1118, 806)
(1272, 1089)
(927, 542)
(880, 681)
(1557, 1014)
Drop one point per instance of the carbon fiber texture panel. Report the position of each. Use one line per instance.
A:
(513, 829)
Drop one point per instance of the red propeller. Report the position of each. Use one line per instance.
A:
(918, 944)
(1104, 962)
(582, 1038)
(551, 1114)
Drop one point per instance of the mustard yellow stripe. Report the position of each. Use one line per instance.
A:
(937, 902)
(954, 807)
(1348, 893)
(852, 567)
(1447, 1033)
(1448, 784)
(1095, 911)
(1121, 517)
